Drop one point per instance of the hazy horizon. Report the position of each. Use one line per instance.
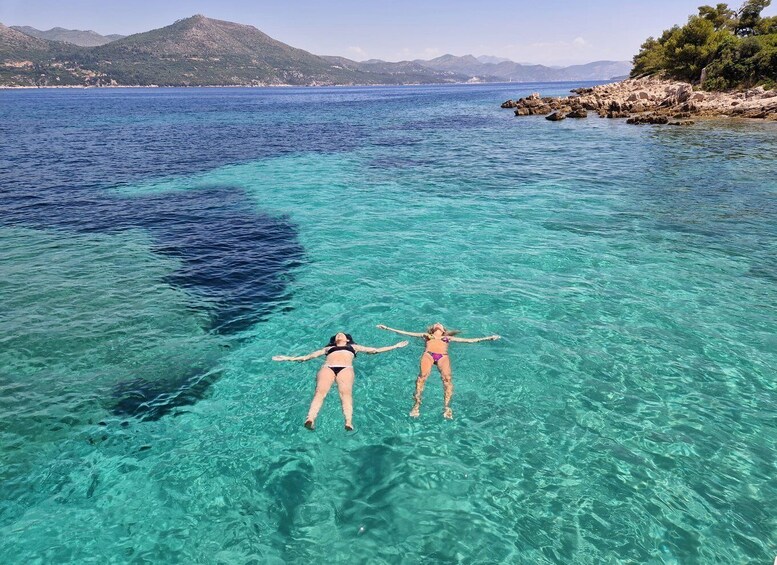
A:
(600, 30)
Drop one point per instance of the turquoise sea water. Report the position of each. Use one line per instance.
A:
(157, 247)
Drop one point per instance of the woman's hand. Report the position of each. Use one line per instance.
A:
(494, 337)
(381, 327)
(403, 344)
(281, 358)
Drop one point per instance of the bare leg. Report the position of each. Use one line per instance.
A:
(345, 388)
(444, 365)
(324, 380)
(423, 374)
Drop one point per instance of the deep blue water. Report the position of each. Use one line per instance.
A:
(158, 246)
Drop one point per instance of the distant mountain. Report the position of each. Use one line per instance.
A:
(466, 65)
(203, 51)
(200, 51)
(74, 36)
(490, 59)
(598, 70)
(15, 44)
(507, 70)
(195, 51)
(27, 60)
(408, 72)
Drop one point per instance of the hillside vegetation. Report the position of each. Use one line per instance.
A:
(719, 49)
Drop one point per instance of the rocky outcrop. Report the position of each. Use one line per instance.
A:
(534, 104)
(651, 101)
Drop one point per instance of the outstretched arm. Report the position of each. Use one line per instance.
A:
(373, 350)
(474, 339)
(411, 334)
(307, 357)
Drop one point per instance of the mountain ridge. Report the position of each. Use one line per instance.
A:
(201, 51)
(508, 71)
(82, 38)
(15, 42)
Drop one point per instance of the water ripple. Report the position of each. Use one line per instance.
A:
(158, 247)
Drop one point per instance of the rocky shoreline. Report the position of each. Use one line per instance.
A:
(650, 100)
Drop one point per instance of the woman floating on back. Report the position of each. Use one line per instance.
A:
(338, 366)
(436, 353)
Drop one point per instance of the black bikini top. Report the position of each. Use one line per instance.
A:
(341, 348)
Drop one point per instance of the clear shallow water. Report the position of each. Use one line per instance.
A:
(159, 246)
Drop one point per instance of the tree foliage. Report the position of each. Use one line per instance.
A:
(736, 48)
(749, 15)
(720, 16)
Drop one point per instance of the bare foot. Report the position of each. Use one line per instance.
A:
(348, 427)
(447, 414)
(310, 425)
(415, 412)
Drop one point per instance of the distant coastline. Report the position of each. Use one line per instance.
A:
(200, 51)
(158, 86)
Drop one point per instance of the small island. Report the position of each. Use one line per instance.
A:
(722, 63)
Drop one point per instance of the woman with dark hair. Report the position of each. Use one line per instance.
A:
(436, 353)
(338, 366)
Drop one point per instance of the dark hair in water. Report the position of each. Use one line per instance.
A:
(332, 340)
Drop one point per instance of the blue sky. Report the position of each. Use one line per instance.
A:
(550, 32)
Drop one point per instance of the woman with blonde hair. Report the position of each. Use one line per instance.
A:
(437, 338)
(338, 367)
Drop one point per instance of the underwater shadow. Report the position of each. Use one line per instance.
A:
(236, 260)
